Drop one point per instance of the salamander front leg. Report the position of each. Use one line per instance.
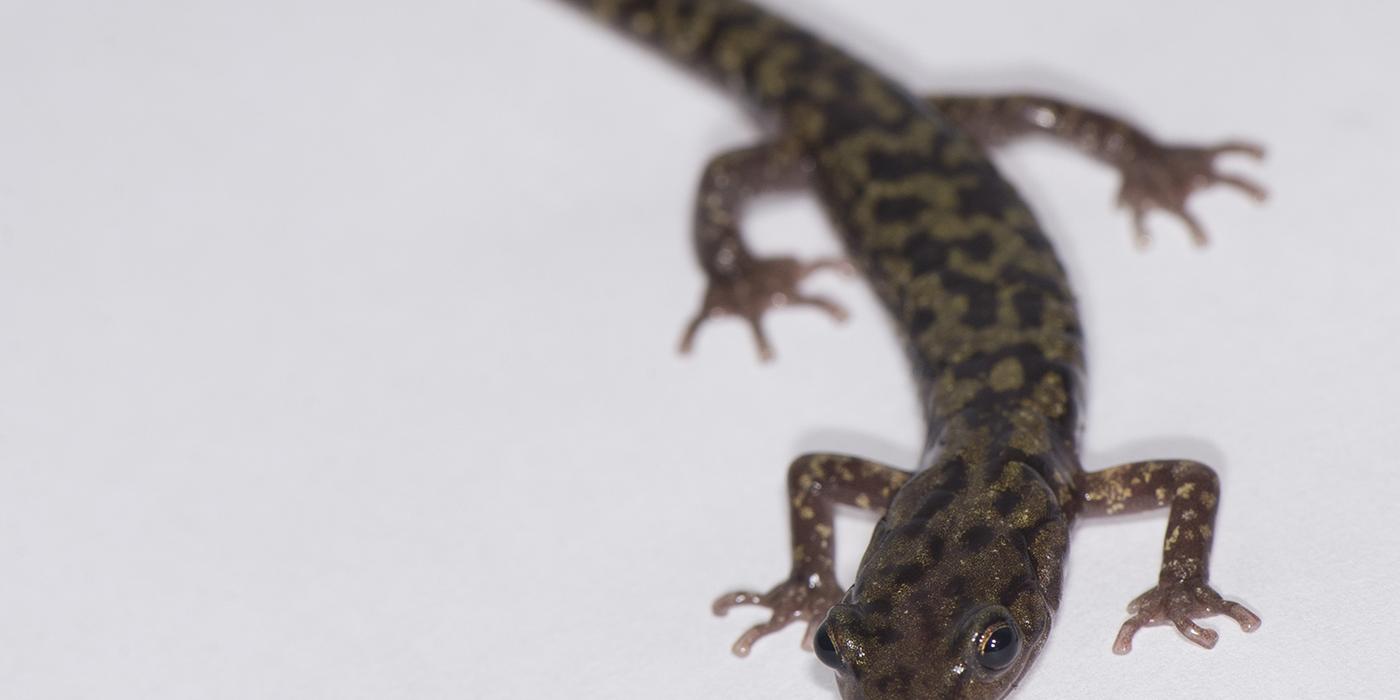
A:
(1155, 175)
(739, 283)
(816, 484)
(1182, 593)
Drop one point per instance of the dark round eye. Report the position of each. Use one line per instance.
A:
(826, 651)
(998, 645)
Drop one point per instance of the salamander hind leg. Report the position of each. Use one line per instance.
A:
(738, 282)
(1163, 177)
(816, 484)
(1155, 175)
(1182, 594)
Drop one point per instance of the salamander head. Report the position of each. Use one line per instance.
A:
(953, 603)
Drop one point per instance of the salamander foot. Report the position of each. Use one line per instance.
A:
(1179, 604)
(795, 599)
(752, 286)
(1163, 178)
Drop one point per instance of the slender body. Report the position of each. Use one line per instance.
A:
(958, 587)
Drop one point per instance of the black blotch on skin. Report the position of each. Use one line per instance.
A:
(981, 310)
(936, 501)
(807, 61)
(910, 530)
(982, 297)
(976, 365)
(1014, 588)
(879, 606)
(1032, 282)
(1005, 502)
(956, 587)
(1033, 363)
(934, 547)
(988, 198)
(896, 165)
(899, 210)
(896, 682)
(905, 574)
(850, 117)
(979, 248)
(954, 476)
(719, 29)
(1034, 239)
(993, 470)
(926, 254)
(976, 537)
(628, 10)
(922, 320)
(1029, 532)
(930, 619)
(1030, 308)
(1035, 463)
(750, 68)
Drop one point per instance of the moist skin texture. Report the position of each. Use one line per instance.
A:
(956, 592)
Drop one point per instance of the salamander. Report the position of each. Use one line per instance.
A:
(955, 594)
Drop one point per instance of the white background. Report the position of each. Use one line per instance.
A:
(337, 349)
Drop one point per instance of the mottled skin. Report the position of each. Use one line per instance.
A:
(967, 557)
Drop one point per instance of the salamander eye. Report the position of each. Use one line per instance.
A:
(826, 650)
(998, 645)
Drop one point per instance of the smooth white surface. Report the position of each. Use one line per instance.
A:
(336, 349)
